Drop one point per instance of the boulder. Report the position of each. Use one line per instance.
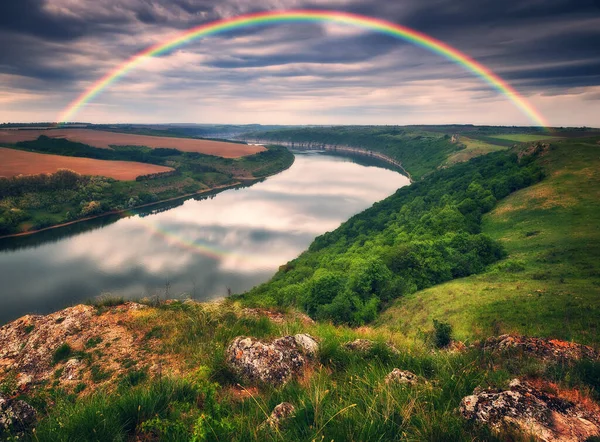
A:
(280, 413)
(274, 362)
(365, 345)
(397, 376)
(544, 348)
(308, 343)
(15, 416)
(544, 416)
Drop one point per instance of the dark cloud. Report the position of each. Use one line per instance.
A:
(538, 46)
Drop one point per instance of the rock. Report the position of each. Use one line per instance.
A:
(280, 413)
(23, 380)
(402, 377)
(308, 343)
(365, 345)
(273, 363)
(359, 345)
(15, 416)
(28, 346)
(548, 349)
(71, 370)
(543, 415)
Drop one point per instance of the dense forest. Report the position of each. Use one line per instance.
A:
(424, 234)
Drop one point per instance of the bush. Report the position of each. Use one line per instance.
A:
(61, 353)
(442, 334)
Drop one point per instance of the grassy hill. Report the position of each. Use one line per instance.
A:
(550, 283)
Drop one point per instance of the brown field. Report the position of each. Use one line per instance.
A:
(102, 139)
(17, 162)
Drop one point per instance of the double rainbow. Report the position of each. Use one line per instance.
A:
(308, 16)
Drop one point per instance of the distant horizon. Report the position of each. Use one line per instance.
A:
(50, 123)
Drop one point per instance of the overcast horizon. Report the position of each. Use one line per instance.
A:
(301, 74)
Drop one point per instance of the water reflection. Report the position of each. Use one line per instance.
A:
(199, 248)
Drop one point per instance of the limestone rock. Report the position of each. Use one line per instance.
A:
(308, 343)
(360, 345)
(273, 362)
(398, 376)
(545, 416)
(365, 345)
(548, 349)
(28, 346)
(280, 413)
(15, 416)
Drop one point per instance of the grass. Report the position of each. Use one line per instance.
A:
(549, 284)
(523, 138)
(345, 397)
(473, 148)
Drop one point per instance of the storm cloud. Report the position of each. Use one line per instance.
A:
(52, 50)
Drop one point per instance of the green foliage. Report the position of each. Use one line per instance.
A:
(423, 235)
(105, 417)
(93, 342)
(106, 301)
(62, 352)
(442, 334)
(133, 378)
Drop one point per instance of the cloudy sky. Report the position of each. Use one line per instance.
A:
(549, 50)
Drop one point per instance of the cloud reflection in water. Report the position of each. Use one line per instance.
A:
(243, 236)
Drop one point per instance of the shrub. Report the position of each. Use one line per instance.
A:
(442, 334)
(61, 353)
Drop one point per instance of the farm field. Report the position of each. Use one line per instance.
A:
(474, 148)
(104, 139)
(17, 162)
(524, 138)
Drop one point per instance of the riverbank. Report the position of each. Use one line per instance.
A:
(34, 204)
(338, 148)
(124, 211)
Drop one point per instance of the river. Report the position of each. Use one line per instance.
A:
(198, 248)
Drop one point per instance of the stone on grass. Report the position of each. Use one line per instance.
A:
(274, 362)
(397, 376)
(280, 414)
(540, 414)
(16, 416)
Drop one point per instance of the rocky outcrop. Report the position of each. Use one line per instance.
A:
(62, 346)
(538, 148)
(274, 362)
(315, 145)
(16, 416)
(397, 376)
(365, 345)
(548, 349)
(280, 414)
(545, 416)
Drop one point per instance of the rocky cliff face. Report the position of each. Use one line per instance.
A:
(310, 145)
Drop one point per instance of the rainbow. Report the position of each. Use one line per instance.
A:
(307, 16)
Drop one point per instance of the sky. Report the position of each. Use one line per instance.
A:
(548, 50)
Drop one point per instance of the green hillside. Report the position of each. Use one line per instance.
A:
(549, 284)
